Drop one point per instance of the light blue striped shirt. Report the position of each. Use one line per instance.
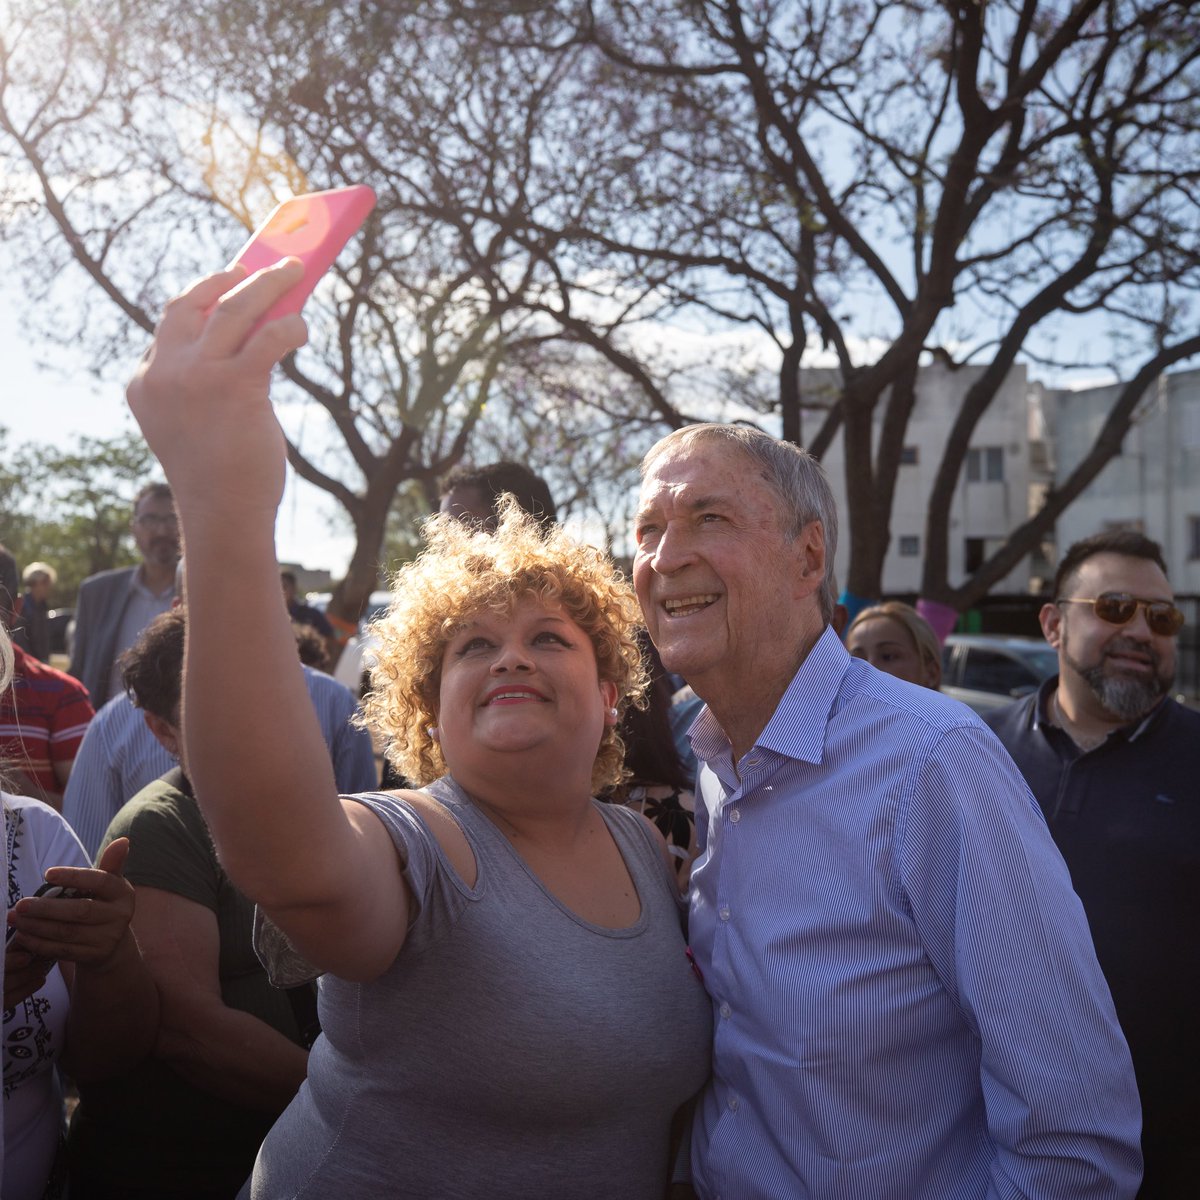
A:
(119, 756)
(906, 1000)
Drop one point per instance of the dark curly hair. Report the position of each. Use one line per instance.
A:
(152, 668)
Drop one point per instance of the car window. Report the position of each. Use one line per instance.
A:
(1042, 660)
(994, 671)
(949, 674)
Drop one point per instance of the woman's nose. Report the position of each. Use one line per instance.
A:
(512, 657)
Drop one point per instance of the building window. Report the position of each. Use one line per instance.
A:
(1193, 538)
(985, 464)
(908, 456)
(910, 546)
(973, 554)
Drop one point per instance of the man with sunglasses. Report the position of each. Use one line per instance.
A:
(1114, 762)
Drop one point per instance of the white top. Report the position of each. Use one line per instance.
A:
(36, 837)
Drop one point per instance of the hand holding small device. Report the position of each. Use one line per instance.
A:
(313, 228)
(81, 915)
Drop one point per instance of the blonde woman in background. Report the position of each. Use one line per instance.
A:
(894, 638)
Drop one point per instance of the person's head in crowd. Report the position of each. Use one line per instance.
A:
(467, 575)
(155, 527)
(893, 637)
(152, 671)
(650, 753)
(1114, 624)
(314, 650)
(287, 580)
(736, 534)
(474, 493)
(39, 578)
(9, 587)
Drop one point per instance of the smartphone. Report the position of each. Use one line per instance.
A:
(52, 891)
(55, 891)
(313, 228)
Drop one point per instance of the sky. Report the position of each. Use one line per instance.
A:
(39, 402)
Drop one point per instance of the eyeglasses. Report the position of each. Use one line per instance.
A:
(155, 521)
(1119, 608)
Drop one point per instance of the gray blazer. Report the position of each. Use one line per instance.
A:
(98, 612)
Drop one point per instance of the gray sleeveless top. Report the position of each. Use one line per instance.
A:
(512, 1050)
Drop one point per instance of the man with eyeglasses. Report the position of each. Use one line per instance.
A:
(115, 606)
(1114, 762)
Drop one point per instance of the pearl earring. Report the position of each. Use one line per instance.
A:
(432, 731)
(612, 712)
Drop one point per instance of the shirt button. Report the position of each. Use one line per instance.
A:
(723, 912)
(736, 815)
(726, 1011)
(733, 1104)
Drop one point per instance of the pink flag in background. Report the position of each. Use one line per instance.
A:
(940, 616)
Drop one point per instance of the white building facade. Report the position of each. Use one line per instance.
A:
(1153, 485)
(1006, 470)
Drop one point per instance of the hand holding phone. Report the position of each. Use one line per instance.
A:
(51, 891)
(313, 228)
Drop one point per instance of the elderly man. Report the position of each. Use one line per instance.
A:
(1113, 761)
(32, 631)
(906, 997)
(115, 606)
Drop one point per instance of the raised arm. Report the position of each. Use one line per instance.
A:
(325, 873)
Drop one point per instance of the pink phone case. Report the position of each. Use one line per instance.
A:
(313, 228)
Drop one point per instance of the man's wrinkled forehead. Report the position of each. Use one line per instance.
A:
(686, 475)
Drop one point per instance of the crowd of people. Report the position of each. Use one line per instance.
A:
(670, 887)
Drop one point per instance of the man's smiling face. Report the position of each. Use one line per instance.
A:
(723, 588)
(1126, 668)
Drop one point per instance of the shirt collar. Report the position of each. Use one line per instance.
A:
(139, 584)
(798, 725)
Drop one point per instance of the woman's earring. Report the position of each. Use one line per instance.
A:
(612, 712)
(433, 733)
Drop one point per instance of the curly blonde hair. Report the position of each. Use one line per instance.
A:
(462, 571)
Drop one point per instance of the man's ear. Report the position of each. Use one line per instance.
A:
(1050, 618)
(810, 555)
(166, 733)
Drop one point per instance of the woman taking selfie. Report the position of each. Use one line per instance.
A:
(506, 1000)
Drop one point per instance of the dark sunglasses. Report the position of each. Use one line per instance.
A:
(1119, 608)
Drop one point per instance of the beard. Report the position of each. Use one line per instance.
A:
(1126, 696)
(163, 552)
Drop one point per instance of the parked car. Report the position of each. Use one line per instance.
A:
(62, 630)
(986, 670)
